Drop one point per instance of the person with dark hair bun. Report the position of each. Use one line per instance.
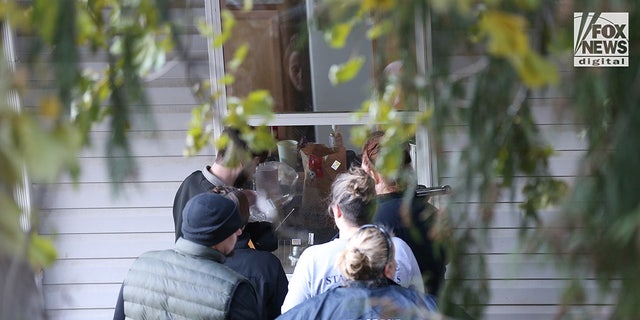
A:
(410, 220)
(368, 265)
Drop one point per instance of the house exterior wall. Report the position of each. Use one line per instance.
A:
(525, 286)
(98, 233)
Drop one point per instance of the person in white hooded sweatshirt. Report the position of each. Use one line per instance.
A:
(353, 202)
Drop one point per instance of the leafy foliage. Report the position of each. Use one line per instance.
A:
(516, 42)
(506, 154)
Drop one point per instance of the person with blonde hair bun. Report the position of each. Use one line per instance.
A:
(368, 265)
(352, 203)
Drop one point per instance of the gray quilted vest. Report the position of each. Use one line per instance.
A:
(188, 282)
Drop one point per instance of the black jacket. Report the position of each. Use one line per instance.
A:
(193, 185)
(264, 271)
(430, 256)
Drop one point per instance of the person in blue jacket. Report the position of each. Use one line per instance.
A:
(368, 265)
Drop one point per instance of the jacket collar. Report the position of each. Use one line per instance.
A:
(215, 180)
(193, 249)
(243, 242)
(376, 283)
(389, 196)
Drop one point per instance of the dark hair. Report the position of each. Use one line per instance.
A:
(236, 139)
(371, 149)
(355, 193)
(295, 44)
(238, 197)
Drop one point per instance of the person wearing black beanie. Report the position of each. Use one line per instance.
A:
(208, 220)
(190, 281)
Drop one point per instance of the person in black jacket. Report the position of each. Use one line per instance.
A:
(262, 268)
(217, 175)
(409, 218)
(368, 263)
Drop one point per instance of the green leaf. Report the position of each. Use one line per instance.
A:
(44, 153)
(11, 234)
(347, 71)
(85, 27)
(45, 18)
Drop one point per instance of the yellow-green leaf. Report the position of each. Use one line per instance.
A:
(238, 57)
(228, 22)
(337, 36)
(204, 29)
(85, 26)
(228, 79)
(258, 102)
(505, 32)
(379, 29)
(347, 71)
(259, 138)
(42, 252)
(50, 107)
(535, 71)
(382, 5)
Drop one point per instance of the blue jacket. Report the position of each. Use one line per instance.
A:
(378, 299)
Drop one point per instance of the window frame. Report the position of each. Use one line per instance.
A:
(426, 164)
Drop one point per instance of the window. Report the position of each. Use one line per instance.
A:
(292, 61)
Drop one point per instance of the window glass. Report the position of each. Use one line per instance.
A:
(292, 61)
(304, 171)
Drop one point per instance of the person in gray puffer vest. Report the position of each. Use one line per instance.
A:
(190, 281)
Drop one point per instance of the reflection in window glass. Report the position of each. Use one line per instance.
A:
(278, 59)
(292, 61)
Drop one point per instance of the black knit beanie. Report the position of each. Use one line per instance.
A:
(209, 219)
